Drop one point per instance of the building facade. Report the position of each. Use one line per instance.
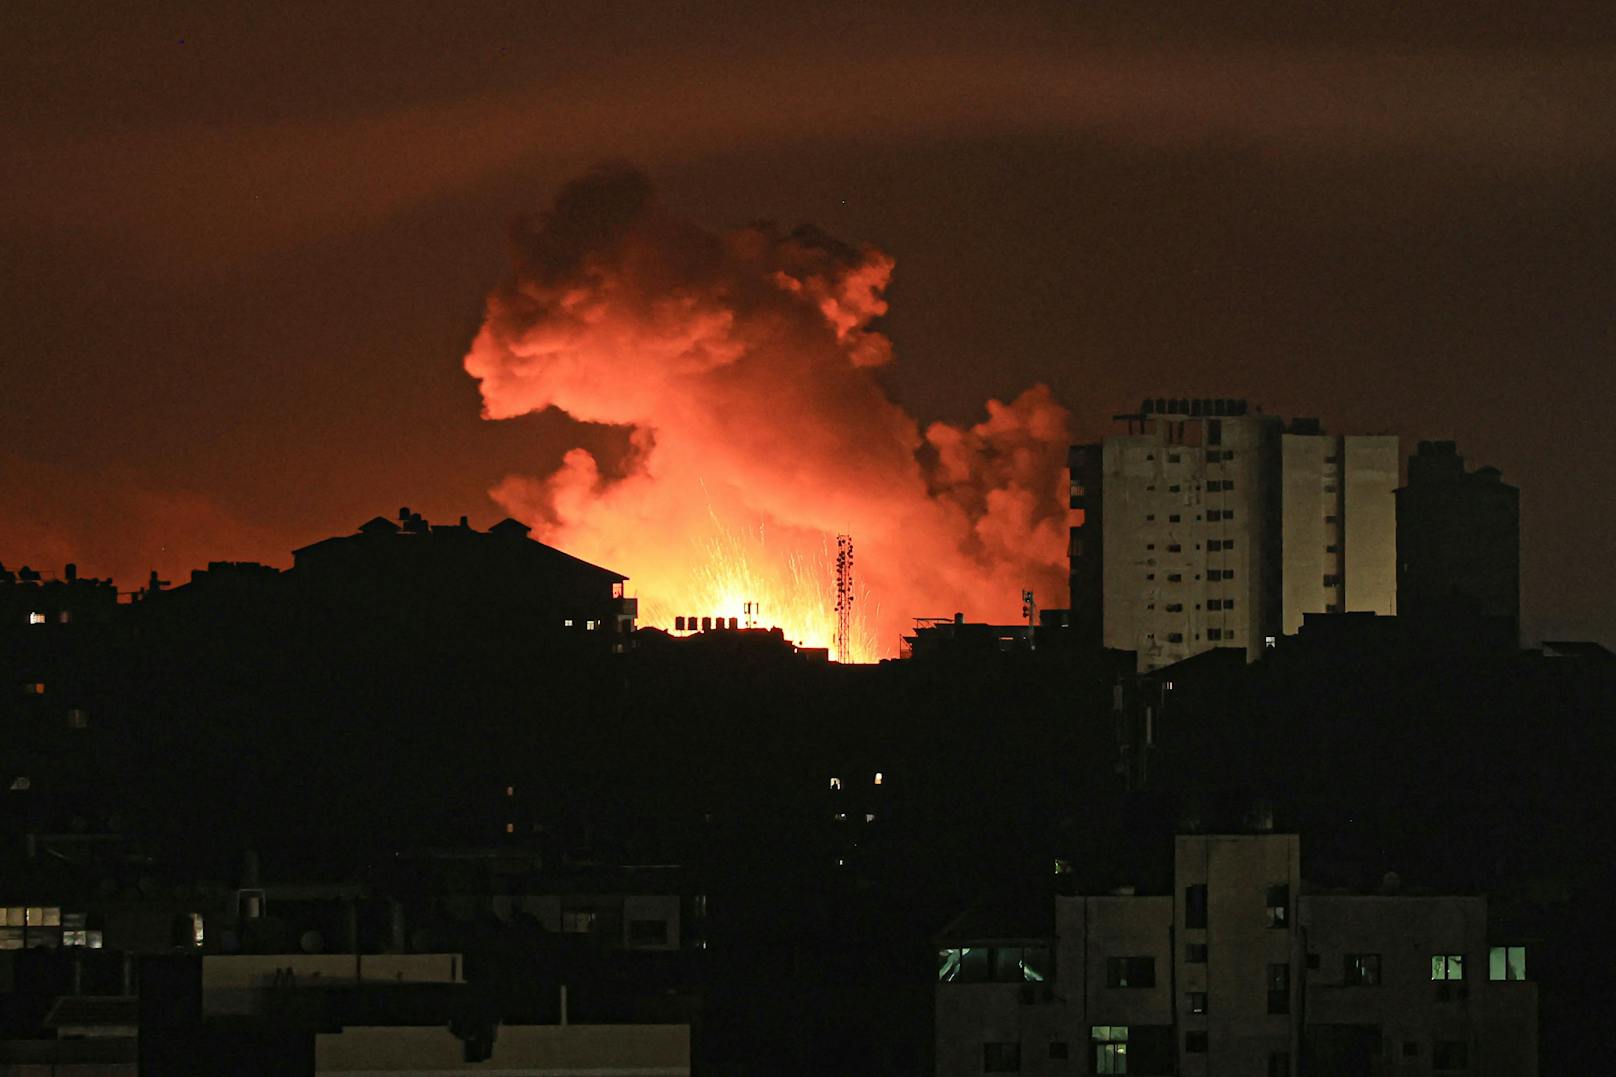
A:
(1458, 540)
(1207, 525)
(1239, 971)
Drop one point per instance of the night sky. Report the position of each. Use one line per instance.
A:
(246, 250)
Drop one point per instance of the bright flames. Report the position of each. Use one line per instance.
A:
(743, 368)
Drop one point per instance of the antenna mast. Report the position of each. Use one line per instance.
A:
(844, 597)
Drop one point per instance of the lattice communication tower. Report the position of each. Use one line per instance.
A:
(844, 597)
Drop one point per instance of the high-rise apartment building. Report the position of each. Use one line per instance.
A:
(1458, 540)
(1206, 524)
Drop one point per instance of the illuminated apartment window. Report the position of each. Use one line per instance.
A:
(1506, 963)
(510, 790)
(836, 783)
(878, 777)
(34, 688)
(1360, 970)
(197, 930)
(20, 785)
(1447, 966)
(510, 828)
(64, 617)
(1110, 1044)
(567, 623)
(590, 626)
(36, 618)
(869, 817)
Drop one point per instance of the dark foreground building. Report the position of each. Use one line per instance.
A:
(1241, 968)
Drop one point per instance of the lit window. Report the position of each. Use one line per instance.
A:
(197, 933)
(590, 626)
(1506, 963)
(567, 623)
(1447, 967)
(77, 719)
(20, 785)
(510, 790)
(1110, 1048)
(878, 777)
(836, 783)
(510, 828)
(34, 688)
(1270, 641)
(36, 618)
(869, 817)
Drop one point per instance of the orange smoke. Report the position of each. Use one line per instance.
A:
(743, 367)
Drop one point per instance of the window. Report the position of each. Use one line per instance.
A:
(1173, 519)
(1173, 489)
(1150, 517)
(1447, 967)
(1279, 1064)
(1332, 548)
(1175, 607)
(999, 964)
(1058, 1049)
(36, 618)
(1312, 961)
(1506, 963)
(1279, 905)
(1195, 905)
(1360, 970)
(1174, 547)
(1331, 579)
(648, 932)
(578, 923)
(1214, 603)
(836, 783)
(1331, 519)
(1197, 1002)
(1175, 577)
(1214, 633)
(1172, 458)
(879, 778)
(1195, 1043)
(1214, 432)
(1110, 1048)
(33, 688)
(1214, 574)
(1450, 1055)
(1195, 953)
(77, 719)
(1175, 637)
(1279, 988)
(1130, 972)
(1150, 545)
(1001, 1058)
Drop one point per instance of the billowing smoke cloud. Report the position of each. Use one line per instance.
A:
(742, 366)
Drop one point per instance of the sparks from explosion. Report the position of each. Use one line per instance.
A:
(791, 590)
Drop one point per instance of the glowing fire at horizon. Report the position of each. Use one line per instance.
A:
(742, 367)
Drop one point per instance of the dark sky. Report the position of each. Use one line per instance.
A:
(245, 249)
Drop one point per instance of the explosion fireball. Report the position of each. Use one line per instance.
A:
(742, 366)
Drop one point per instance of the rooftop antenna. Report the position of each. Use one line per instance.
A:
(844, 597)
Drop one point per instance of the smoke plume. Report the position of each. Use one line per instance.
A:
(742, 368)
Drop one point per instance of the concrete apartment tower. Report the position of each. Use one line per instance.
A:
(1206, 524)
(1458, 541)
